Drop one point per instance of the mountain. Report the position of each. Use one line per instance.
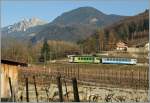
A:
(73, 25)
(86, 15)
(76, 24)
(24, 27)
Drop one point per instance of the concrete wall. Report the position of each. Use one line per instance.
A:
(6, 72)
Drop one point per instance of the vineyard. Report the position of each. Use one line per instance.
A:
(90, 77)
(126, 76)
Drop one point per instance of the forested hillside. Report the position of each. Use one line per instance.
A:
(132, 30)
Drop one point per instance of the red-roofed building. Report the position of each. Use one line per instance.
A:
(121, 46)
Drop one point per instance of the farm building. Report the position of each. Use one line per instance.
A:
(146, 46)
(143, 49)
(136, 50)
(9, 69)
(121, 46)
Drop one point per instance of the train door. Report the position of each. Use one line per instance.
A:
(71, 59)
(96, 60)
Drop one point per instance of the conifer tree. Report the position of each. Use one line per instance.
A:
(45, 51)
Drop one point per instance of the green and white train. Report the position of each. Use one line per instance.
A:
(103, 60)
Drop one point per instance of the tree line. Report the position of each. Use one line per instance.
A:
(25, 51)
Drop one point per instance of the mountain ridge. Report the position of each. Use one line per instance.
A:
(83, 15)
(73, 25)
(78, 23)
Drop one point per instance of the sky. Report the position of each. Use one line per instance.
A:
(13, 11)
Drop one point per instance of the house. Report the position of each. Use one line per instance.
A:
(146, 46)
(9, 69)
(121, 46)
(143, 49)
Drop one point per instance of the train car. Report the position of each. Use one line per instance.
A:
(118, 61)
(84, 59)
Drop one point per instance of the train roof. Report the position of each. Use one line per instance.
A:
(119, 57)
(83, 56)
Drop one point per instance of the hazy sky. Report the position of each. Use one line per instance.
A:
(14, 10)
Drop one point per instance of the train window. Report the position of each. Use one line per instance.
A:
(123, 59)
(78, 58)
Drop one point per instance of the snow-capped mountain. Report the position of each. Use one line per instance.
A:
(23, 25)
